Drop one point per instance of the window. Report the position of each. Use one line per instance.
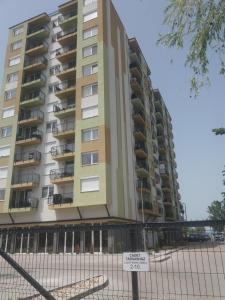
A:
(2, 194)
(88, 2)
(90, 32)
(47, 191)
(50, 106)
(90, 90)
(90, 50)
(90, 69)
(14, 61)
(90, 16)
(17, 31)
(90, 134)
(55, 70)
(9, 112)
(6, 131)
(15, 46)
(89, 184)
(4, 151)
(90, 112)
(3, 172)
(48, 146)
(53, 88)
(13, 77)
(50, 126)
(10, 94)
(89, 158)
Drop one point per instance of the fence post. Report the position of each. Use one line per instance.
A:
(26, 276)
(134, 275)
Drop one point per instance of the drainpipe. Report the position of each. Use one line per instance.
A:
(11, 218)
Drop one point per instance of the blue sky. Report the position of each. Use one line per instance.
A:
(200, 154)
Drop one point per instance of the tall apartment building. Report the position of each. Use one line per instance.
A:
(84, 136)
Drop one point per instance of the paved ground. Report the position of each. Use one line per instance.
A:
(193, 273)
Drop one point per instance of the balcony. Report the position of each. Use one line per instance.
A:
(34, 81)
(28, 136)
(64, 130)
(35, 64)
(135, 71)
(164, 172)
(66, 37)
(27, 159)
(63, 152)
(64, 109)
(25, 181)
(67, 7)
(36, 48)
(138, 103)
(66, 89)
(167, 202)
(32, 99)
(63, 175)
(142, 168)
(30, 117)
(149, 208)
(140, 133)
(68, 20)
(159, 117)
(39, 32)
(135, 58)
(139, 117)
(169, 213)
(67, 53)
(19, 203)
(60, 200)
(136, 86)
(67, 71)
(141, 150)
(143, 186)
(166, 187)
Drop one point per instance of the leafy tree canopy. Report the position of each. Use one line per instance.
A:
(202, 24)
(217, 210)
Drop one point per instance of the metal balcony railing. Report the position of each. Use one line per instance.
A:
(31, 114)
(60, 198)
(29, 155)
(141, 146)
(67, 66)
(63, 106)
(62, 173)
(24, 203)
(62, 149)
(65, 17)
(34, 77)
(33, 95)
(35, 60)
(68, 126)
(65, 49)
(142, 164)
(140, 130)
(135, 80)
(26, 178)
(136, 113)
(37, 28)
(28, 133)
(143, 184)
(65, 85)
(36, 44)
(62, 34)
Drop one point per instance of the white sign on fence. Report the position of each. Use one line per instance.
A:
(136, 261)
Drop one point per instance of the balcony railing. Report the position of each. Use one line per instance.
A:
(62, 34)
(33, 95)
(67, 126)
(34, 77)
(62, 173)
(24, 203)
(28, 133)
(140, 130)
(146, 205)
(141, 146)
(58, 199)
(31, 114)
(29, 155)
(65, 50)
(66, 17)
(35, 60)
(26, 178)
(143, 184)
(37, 28)
(142, 165)
(65, 85)
(139, 113)
(63, 149)
(63, 106)
(36, 44)
(67, 66)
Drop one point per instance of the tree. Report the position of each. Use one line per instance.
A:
(217, 210)
(201, 24)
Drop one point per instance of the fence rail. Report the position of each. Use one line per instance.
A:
(186, 261)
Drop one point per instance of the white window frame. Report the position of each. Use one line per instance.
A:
(90, 69)
(90, 108)
(16, 45)
(6, 131)
(91, 178)
(90, 32)
(17, 31)
(2, 190)
(12, 77)
(89, 90)
(13, 61)
(91, 130)
(10, 94)
(91, 47)
(89, 2)
(11, 109)
(6, 151)
(92, 153)
(90, 16)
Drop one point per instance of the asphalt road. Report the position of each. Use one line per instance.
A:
(196, 272)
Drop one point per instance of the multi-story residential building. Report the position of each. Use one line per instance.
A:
(84, 137)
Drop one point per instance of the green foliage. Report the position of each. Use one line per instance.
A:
(195, 230)
(217, 210)
(219, 131)
(200, 23)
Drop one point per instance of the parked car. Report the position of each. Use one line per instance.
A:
(198, 237)
(219, 236)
